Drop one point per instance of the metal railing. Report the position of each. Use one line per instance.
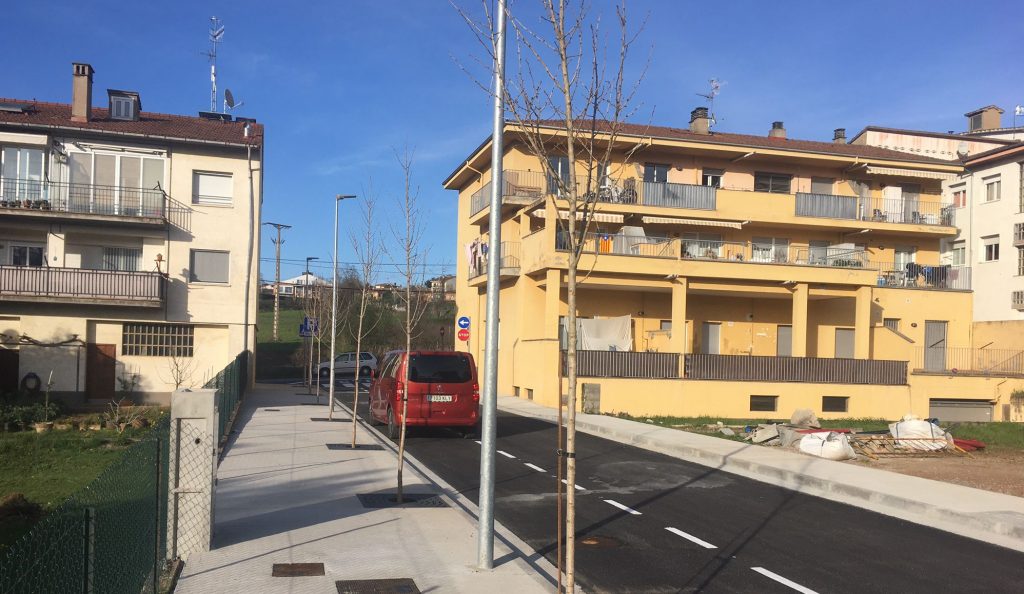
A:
(624, 364)
(674, 195)
(511, 252)
(969, 361)
(917, 276)
(882, 210)
(230, 384)
(1017, 300)
(833, 257)
(794, 369)
(714, 250)
(67, 197)
(525, 186)
(31, 281)
(1018, 234)
(624, 245)
(110, 536)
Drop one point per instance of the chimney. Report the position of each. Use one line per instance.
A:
(777, 131)
(839, 136)
(81, 92)
(699, 122)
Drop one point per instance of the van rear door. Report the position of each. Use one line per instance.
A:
(447, 383)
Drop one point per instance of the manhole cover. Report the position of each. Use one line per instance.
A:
(597, 541)
(389, 586)
(333, 420)
(297, 569)
(378, 500)
(359, 446)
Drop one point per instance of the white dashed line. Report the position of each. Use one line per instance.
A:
(477, 442)
(537, 468)
(506, 454)
(578, 488)
(783, 581)
(622, 507)
(691, 538)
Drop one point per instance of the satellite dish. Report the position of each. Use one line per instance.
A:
(229, 99)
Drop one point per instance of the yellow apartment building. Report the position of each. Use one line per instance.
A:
(733, 275)
(128, 245)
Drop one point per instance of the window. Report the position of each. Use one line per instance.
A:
(839, 404)
(365, 356)
(665, 325)
(777, 183)
(764, 403)
(558, 180)
(655, 172)
(990, 247)
(959, 196)
(529, 393)
(157, 340)
(769, 249)
(993, 186)
(27, 255)
(122, 108)
(712, 177)
(710, 338)
(440, 368)
(822, 185)
(211, 188)
(975, 122)
(892, 324)
(1020, 197)
(1020, 261)
(784, 341)
(208, 266)
(22, 174)
(959, 253)
(124, 259)
(904, 255)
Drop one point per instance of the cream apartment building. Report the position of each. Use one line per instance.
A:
(128, 262)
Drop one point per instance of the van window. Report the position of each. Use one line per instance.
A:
(390, 366)
(440, 368)
(365, 356)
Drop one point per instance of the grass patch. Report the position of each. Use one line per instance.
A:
(996, 435)
(287, 329)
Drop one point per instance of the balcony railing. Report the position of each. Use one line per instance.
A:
(79, 284)
(969, 361)
(794, 369)
(1017, 300)
(882, 210)
(511, 252)
(625, 364)
(82, 198)
(1018, 234)
(521, 186)
(917, 276)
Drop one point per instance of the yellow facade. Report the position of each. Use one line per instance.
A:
(833, 271)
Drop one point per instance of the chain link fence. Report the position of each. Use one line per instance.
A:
(109, 537)
(230, 384)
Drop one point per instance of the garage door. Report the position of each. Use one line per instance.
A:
(960, 410)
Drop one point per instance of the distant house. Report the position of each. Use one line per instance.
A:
(296, 286)
(443, 287)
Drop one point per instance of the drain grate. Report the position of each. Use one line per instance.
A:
(325, 419)
(271, 410)
(297, 569)
(359, 446)
(386, 586)
(379, 500)
(596, 541)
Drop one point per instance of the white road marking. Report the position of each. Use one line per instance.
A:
(622, 507)
(578, 488)
(537, 468)
(783, 581)
(477, 442)
(506, 454)
(691, 538)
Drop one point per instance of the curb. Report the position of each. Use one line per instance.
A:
(992, 527)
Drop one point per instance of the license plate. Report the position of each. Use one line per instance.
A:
(439, 398)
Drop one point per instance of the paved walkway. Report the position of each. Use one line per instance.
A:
(284, 497)
(983, 515)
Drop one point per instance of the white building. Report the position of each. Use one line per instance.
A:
(296, 286)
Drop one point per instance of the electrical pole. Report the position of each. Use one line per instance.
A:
(277, 273)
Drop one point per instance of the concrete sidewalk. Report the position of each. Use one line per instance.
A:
(983, 515)
(284, 497)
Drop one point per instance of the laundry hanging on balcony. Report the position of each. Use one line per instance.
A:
(606, 334)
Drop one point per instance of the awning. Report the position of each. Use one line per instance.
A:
(910, 173)
(697, 222)
(601, 217)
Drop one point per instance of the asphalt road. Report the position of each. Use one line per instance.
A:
(651, 523)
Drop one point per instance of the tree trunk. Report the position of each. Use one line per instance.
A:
(570, 433)
(405, 388)
(359, 362)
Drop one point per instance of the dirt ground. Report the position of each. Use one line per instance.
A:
(994, 469)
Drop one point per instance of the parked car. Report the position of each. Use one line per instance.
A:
(443, 391)
(346, 363)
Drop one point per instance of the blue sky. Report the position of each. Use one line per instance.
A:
(340, 85)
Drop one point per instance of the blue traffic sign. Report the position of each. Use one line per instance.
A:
(309, 327)
(463, 322)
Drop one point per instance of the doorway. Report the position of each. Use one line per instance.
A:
(100, 371)
(710, 338)
(934, 345)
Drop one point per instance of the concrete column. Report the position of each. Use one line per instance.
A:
(677, 341)
(800, 320)
(55, 247)
(552, 303)
(192, 467)
(862, 324)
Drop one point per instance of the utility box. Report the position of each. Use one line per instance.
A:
(592, 399)
(192, 467)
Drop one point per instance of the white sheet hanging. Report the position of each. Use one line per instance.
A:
(606, 334)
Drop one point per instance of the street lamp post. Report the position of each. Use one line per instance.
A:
(334, 302)
(305, 296)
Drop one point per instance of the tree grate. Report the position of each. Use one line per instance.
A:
(325, 419)
(297, 569)
(366, 447)
(382, 586)
(381, 500)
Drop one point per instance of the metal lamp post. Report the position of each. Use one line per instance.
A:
(305, 295)
(334, 301)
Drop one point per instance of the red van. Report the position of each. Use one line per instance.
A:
(443, 391)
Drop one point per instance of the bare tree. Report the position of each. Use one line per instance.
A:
(180, 371)
(413, 299)
(368, 250)
(568, 99)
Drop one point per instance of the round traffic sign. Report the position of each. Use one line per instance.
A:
(463, 322)
(464, 335)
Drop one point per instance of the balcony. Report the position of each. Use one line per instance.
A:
(911, 275)
(907, 210)
(75, 285)
(944, 360)
(666, 195)
(518, 187)
(509, 268)
(794, 369)
(1017, 300)
(61, 199)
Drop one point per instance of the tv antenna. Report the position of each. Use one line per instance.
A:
(715, 88)
(229, 101)
(216, 36)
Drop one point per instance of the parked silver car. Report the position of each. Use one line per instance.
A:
(346, 363)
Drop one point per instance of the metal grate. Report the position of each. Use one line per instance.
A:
(382, 586)
(325, 419)
(366, 447)
(381, 500)
(297, 569)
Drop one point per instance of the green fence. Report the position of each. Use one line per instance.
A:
(230, 384)
(109, 537)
